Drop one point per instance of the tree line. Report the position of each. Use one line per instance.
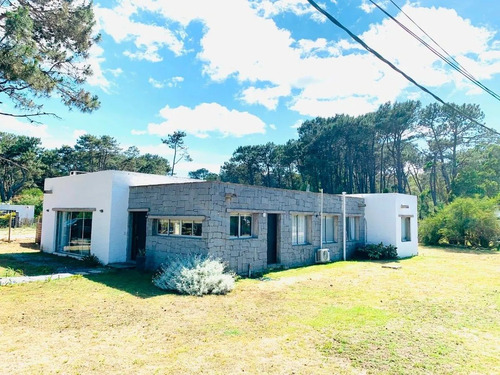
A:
(434, 152)
(25, 164)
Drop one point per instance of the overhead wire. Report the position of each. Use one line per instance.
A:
(450, 60)
(383, 59)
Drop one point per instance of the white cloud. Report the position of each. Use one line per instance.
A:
(42, 131)
(324, 75)
(148, 39)
(270, 9)
(13, 125)
(160, 149)
(95, 60)
(172, 82)
(272, 126)
(138, 132)
(297, 124)
(268, 96)
(77, 133)
(116, 72)
(206, 119)
(156, 84)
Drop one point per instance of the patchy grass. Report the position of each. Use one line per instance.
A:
(18, 258)
(437, 314)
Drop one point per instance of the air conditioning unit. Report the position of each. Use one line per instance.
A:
(322, 256)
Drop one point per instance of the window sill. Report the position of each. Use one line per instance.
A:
(301, 244)
(177, 236)
(243, 238)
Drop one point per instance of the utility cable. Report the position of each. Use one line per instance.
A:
(449, 60)
(383, 59)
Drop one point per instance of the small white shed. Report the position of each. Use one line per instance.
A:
(392, 219)
(88, 213)
(25, 213)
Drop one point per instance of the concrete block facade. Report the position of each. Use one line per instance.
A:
(213, 203)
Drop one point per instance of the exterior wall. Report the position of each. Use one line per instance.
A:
(26, 213)
(383, 214)
(85, 191)
(215, 201)
(107, 191)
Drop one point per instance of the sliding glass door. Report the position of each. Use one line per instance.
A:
(74, 232)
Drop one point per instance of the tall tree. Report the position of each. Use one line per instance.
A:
(19, 163)
(399, 124)
(175, 141)
(203, 174)
(96, 153)
(152, 164)
(44, 45)
(244, 166)
(448, 133)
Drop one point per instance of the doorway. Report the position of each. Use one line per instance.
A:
(272, 238)
(138, 243)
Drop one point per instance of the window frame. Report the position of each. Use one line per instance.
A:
(239, 225)
(356, 226)
(66, 223)
(405, 228)
(296, 229)
(335, 226)
(174, 227)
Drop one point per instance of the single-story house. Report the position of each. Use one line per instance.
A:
(87, 213)
(119, 215)
(25, 214)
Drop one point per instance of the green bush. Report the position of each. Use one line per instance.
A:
(376, 251)
(30, 197)
(91, 260)
(428, 230)
(4, 219)
(465, 221)
(194, 275)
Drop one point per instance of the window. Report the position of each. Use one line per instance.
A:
(330, 225)
(406, 228)
(176, 227)
(352, 227)
(240, 225)
(299, 229)
(74, 232)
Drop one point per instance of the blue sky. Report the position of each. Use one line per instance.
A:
(239, 72)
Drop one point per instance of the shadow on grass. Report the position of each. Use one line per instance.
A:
(35, 264)
(29, 245)
(133, 282)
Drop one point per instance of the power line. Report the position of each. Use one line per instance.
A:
(383, 59)
(449, 60)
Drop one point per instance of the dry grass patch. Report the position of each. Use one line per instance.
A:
(438, 314)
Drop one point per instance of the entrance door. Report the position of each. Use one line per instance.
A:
(138, 244)
(272, 238)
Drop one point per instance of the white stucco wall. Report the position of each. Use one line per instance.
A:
(107, 191)
(25, 213)
(383, 213)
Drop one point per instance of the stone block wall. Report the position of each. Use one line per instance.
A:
(216, 201)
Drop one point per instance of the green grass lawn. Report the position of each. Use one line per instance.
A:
(438, 314)
(20, 258)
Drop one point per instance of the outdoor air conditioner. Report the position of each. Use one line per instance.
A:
(322, 256)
